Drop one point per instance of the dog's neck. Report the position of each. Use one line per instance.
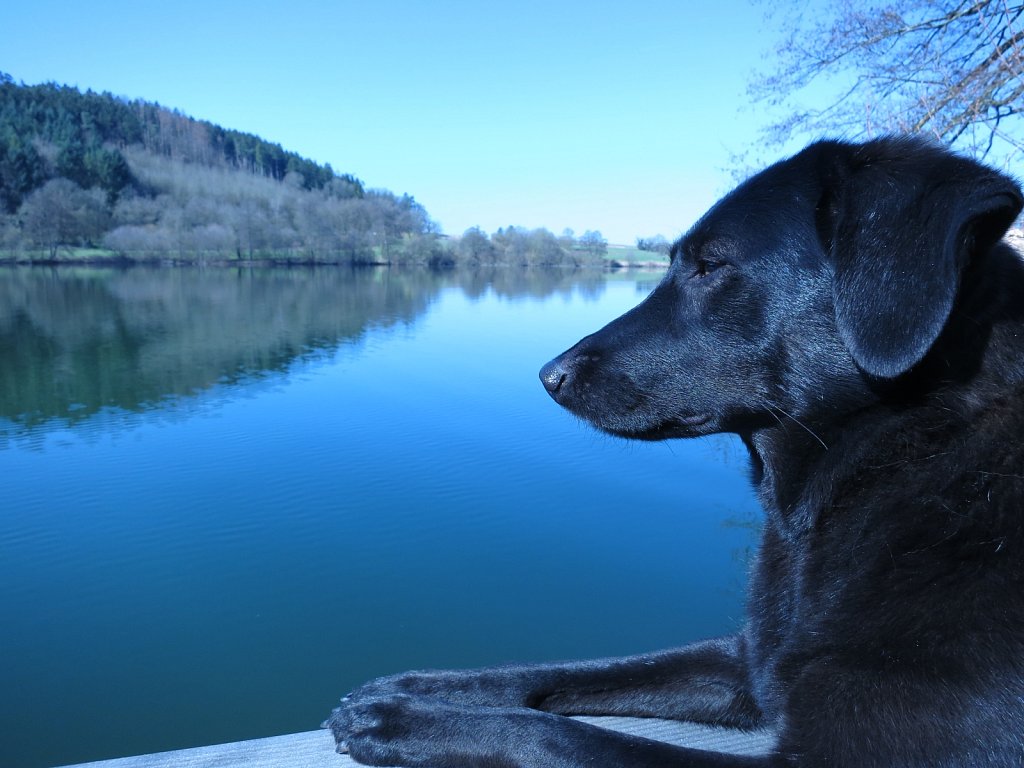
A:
(784, 487)
(978, 360)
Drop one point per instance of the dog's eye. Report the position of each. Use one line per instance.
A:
(703, 268)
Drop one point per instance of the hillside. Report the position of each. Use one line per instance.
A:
(94, 175)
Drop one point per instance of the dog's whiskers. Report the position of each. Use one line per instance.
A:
(773, 408)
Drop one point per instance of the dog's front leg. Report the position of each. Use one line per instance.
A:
(705, 682)
(419, 731)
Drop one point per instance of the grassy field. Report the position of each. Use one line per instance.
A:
(629, 254)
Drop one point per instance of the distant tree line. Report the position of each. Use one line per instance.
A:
(655, 244)
(528, 247)
(212, 213)
(94, 176)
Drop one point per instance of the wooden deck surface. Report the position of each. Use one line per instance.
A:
(315, 749)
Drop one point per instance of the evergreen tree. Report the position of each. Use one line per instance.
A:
(22, 169)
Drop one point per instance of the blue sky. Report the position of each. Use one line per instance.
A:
(589, 115)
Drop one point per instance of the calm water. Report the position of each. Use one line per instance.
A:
(230, 496)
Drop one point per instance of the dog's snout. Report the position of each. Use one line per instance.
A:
(553, 376)
(563, 375)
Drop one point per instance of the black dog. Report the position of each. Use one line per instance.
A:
(851, 314)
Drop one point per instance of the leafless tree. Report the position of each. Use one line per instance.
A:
(60, 214)
(953, 69)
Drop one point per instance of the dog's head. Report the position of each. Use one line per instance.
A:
(837, 266)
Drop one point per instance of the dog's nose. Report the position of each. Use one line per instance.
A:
(553, 375)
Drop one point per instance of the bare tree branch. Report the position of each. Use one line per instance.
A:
(950, 68)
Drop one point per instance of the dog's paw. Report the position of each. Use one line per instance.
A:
(420, 732)
(464, 687)
(411, 683)
(390, 730)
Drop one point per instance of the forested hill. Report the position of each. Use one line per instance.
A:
(94, 175)
(88, 130)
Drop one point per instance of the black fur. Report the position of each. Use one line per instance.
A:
(852, 315)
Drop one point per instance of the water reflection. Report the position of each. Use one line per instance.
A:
(74, 342)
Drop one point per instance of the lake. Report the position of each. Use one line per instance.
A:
(230, 496)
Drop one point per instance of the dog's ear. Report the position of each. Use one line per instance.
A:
(901, 219)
